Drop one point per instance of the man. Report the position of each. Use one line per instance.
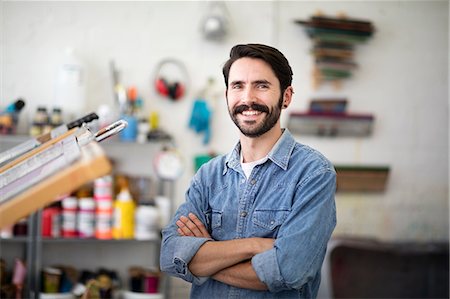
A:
(256, 222)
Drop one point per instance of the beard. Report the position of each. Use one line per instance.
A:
(253, 128)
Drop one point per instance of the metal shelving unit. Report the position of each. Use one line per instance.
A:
(34, 245)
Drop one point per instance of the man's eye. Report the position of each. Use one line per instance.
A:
(236, 86)
(263, 86)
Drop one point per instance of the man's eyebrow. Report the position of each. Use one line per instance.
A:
(236, 82)
(261, 82)
(256, 82)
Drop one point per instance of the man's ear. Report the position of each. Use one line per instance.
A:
(226, 96)
(287, 96)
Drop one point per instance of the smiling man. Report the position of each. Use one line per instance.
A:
(256, 222)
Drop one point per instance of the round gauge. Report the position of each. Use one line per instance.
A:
(168, 164)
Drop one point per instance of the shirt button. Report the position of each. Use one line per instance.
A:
(243, 181)
(272, 222)
(243, 214)
(253, 182)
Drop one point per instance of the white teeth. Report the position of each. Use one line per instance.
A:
(250, 112)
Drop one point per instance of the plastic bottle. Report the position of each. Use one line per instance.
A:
(20, 228)
(104, 207)
(86, 217)
(147, 222)
(103, 188)
(51, 222)
(6, 232)
(103, 219)
(163, 204)
(56, 117)
(69, 217)
(40, 121)
(70, 91)
(130, 132)
(143, 128)
(124, 208)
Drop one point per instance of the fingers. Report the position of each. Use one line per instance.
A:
(201, 227)
(187, 227)
(182, 228)
(180, 232)
(191, 226)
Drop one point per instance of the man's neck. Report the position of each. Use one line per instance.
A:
(253, 149)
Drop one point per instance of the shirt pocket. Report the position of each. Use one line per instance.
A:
(208, 220)
(266, 222)
(216, 224)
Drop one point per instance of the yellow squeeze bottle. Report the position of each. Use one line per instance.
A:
(124, 208)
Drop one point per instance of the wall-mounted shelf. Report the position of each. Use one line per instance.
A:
(330, 124)
(352, 178)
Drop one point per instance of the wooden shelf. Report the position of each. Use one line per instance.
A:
(351, 178)
(323, 124)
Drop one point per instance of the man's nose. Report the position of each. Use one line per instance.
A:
(248, 96)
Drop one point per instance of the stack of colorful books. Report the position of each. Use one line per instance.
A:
(334, 41)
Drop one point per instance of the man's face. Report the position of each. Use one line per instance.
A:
(253, 96)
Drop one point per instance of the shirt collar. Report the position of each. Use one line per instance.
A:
(279, 154)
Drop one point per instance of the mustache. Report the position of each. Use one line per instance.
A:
(254, 106)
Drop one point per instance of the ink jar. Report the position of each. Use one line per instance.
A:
(69, 217)
(86, 217)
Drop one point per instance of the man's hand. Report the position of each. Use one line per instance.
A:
(192, 226)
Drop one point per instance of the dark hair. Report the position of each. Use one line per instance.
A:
(276, 60)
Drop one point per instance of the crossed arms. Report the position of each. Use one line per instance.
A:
(225, 261)
(286, 262)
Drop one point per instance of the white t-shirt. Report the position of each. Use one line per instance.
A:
(248, 167)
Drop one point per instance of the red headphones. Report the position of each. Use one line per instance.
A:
(173, 90)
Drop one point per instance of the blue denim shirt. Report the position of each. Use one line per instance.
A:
(290, 197)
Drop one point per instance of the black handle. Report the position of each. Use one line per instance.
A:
(85, 119)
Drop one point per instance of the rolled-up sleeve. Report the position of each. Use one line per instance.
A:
(177, 251)
(176, 264)
(301, 244)
(266, 267)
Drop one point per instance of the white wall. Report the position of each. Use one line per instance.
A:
(402, 79)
